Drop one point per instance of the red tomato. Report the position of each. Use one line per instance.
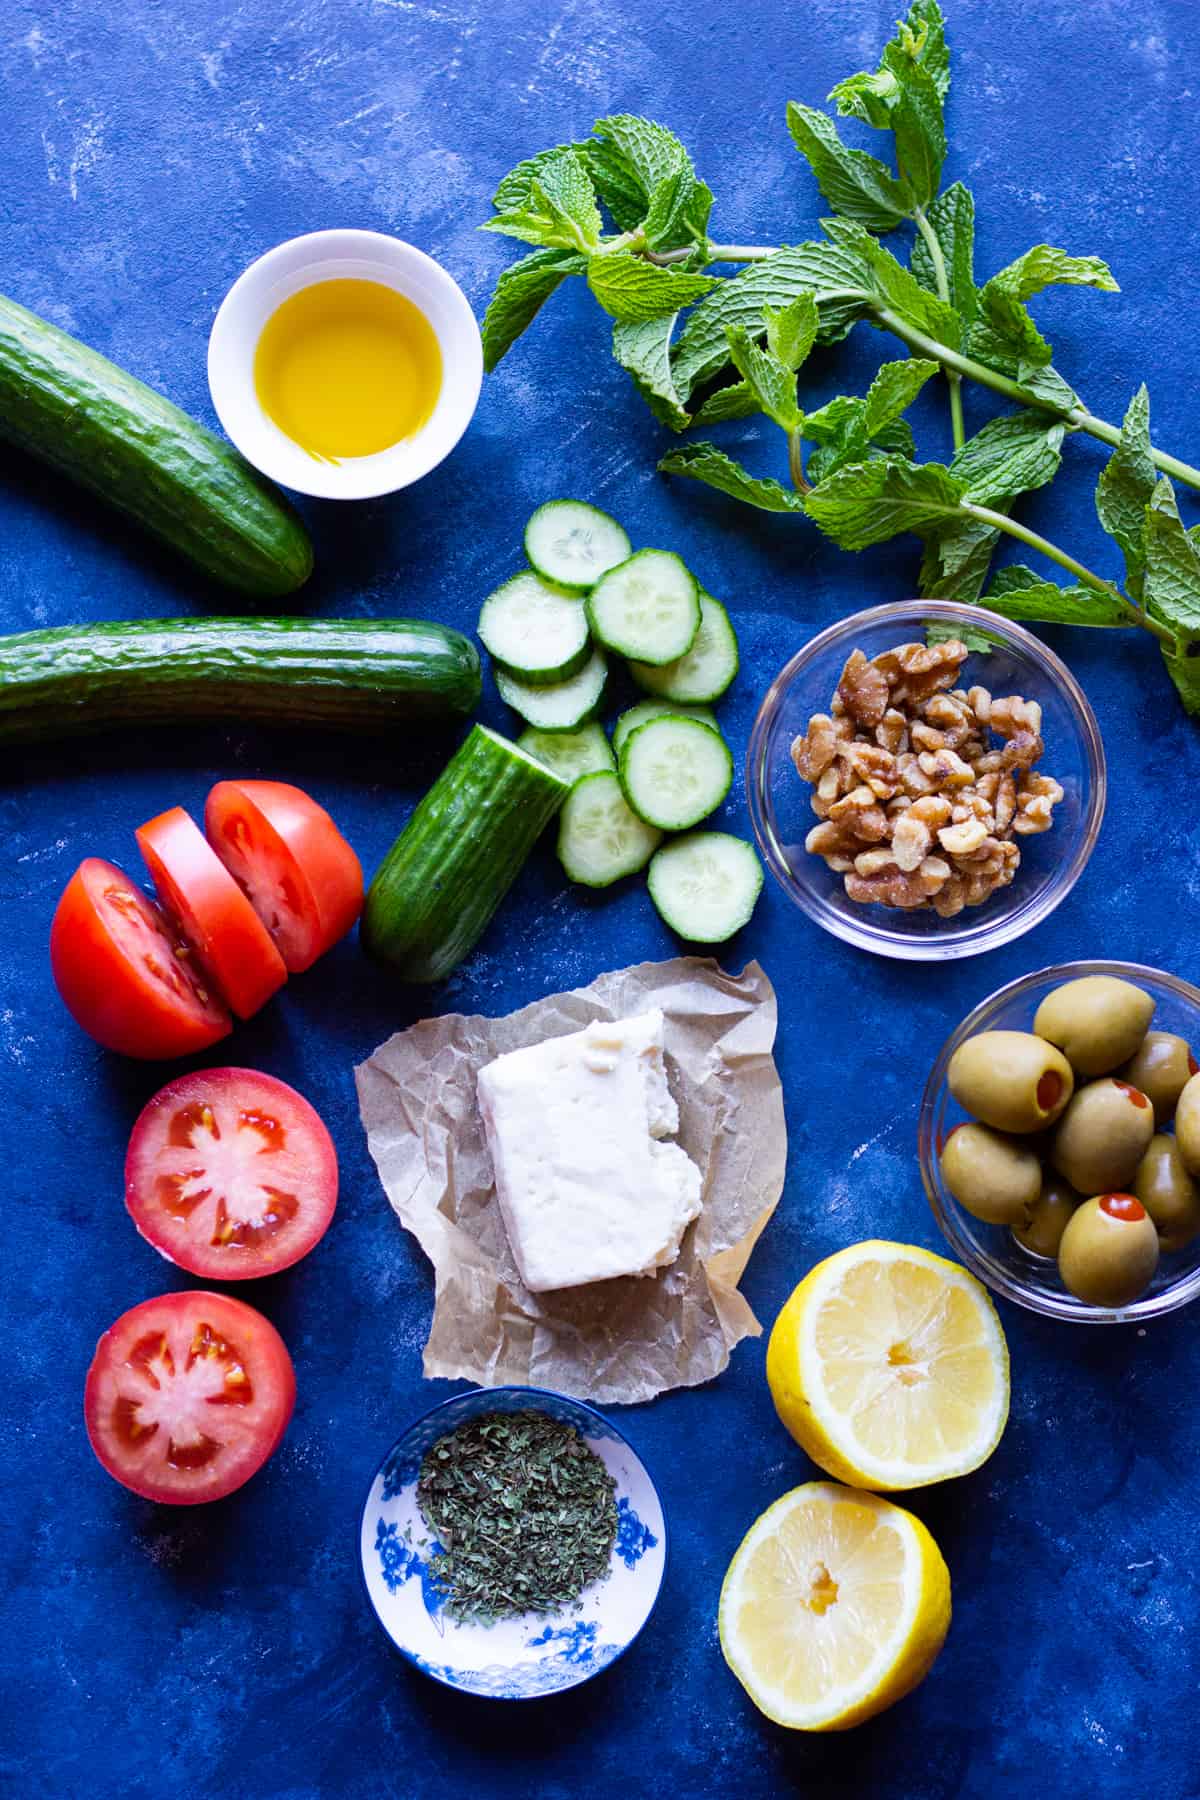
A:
(195, 887)
(285, 852)
(231, 1174)
(187, 1396)
(124, 974)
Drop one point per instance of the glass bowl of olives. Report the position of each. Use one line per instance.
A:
(1059, 1142)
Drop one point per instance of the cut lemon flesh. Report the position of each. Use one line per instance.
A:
(835, 1606)
(888, 1365)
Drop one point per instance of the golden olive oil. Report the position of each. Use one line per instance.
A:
(347, 368)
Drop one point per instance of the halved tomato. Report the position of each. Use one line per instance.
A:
(123, 972)
(187, 1396)
(230, 1174)
(289, 858)
(230, 940)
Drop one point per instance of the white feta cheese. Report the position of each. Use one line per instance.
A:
(587, 1188)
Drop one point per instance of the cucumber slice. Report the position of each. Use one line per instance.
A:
(705, 885)
(570, 754)
(564, 706)
(538, 633)
(675, 771)
(647, 607)
(654, 709)
(599, 838)
(705, 671)
(574, 544)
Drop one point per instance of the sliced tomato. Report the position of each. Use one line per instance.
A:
(187, 1396)
(231, 1174)
(289, 858)
(124, 972)
(230, 940)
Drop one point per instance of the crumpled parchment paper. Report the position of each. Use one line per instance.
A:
(611, 1341)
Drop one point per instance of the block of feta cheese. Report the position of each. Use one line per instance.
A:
(587, 1186)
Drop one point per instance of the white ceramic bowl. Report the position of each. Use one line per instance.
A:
(343, 256)
(527, 1657)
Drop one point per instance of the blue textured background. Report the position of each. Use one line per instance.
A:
(150, 151)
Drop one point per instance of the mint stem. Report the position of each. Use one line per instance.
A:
(796, 462)
(953, 378)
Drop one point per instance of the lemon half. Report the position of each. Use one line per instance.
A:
(835, 1605)
(888, 1365)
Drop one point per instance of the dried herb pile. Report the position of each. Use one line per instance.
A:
(525, 1513)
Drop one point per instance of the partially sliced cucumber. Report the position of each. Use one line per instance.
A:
(705, 885)
(537, 632)
(574, 544)
(705, 671)
(570, 754)
(564, 706)
(599, 838)
(647, 607)
(675, 771)
(654, 709)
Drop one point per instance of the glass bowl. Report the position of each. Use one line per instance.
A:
(991, 1251)
(1051, 863)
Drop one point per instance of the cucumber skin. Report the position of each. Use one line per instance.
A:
(345, 674)
(464, 846)
(74, 409)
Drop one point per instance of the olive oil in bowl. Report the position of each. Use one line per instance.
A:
(348, 368)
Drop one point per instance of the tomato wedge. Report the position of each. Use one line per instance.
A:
(230, 940)
(230, 1174)
(124, 974)
(187, 1396)
(285, 852)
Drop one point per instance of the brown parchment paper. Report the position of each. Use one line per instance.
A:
(611, 1341)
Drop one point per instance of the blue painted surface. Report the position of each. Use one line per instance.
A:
(149, 152)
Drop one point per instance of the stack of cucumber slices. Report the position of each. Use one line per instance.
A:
(586, 596)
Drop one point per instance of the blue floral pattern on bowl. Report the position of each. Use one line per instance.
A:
(523, 1658)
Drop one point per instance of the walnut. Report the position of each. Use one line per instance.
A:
(898, 887)
(830, 839)
(872, 765)
(945, 768)
(962, 840)
(860, 812)
(914, 671)
(1037, 797)
(927, 737)
(892, 731)
(912, 841)
(1013, 715)
(933, 810)
(813, 753)
(862, 691)
(980, 702)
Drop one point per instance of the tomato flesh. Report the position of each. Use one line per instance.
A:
(187, 1396)
(290, 860)
(231, 1174)
(229, 939)
(124, 973)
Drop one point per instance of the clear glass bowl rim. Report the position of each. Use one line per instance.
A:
(977, 937)
(990, 1270)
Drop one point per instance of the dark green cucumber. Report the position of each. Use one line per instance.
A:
(457, 857)
(352, 674)
(88, 419)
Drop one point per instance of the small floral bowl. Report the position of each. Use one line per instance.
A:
(531, 1656)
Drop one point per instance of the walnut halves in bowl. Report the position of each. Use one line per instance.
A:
(922, 788)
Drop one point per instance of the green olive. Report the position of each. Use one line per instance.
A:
(1187, 1126)
(1011, 1080)
(1102, 1136)
(1098, 1022)
(1162, 1069)
(1109, 1251)
(994, 1177)
(1040, 1231)
(1168, 1193)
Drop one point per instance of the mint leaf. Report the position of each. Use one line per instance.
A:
(919, 131)
(704, 462)
(792, 329)
(957, 558)
(520, 292)
(844, 431)
(819, 268)
(868, 503)
(920, 39)
(512, 195)
(634, 157)
(856, 185)
(773, 383)
(668, 205)
(1009, 456)
(979, 643)
(1046, 384)
(633, 291)
(1126, 484)
(1171, 583)
(895, 387)
(737, 401)
(927, 29)
(952, 216)
(1184, 671)
(617, 183)
(647, 151)
(1046, 603)
(894, 285)
(1006, 324)
(645, 351)
(559, 209)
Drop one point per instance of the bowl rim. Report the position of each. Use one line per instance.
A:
(993, 1273)
(513, 1388)
(257, 437)
(975, 938)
